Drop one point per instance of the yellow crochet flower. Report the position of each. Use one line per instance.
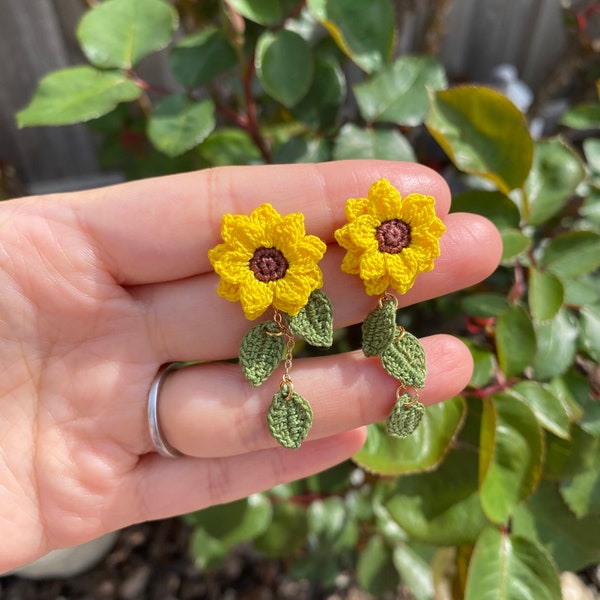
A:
(267, 260)
(389, 240)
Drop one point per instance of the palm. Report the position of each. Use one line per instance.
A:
(75, 354)
(102, 288)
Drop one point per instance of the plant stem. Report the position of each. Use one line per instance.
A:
(147, 86)
(252, 120)
(526, 207)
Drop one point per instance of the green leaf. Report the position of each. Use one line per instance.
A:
(484, 364)
(572, 389)
(208, 552)
(441, 507)
(590, 209)
(591, 150)
(545, 518)
(261, 350)
(405, 417)
(331, 522)
(179, 124)
(263, 12)
(582, 493)
(556, 345)
(566, 458)
(572, 253)
(583, 116)
(514, 242)
(590, 331)
(76, 94)
(289, 418)
(234, 522)
(379, 328)
(515, 341)
(398, 93)
(495, 206)
(423, 450)
(285, 66)
(375, 570)
(364, 32)
(547, 407)
(119, 33)
(579, 386)
(510, 567)
(581, 292)
(553, 179)
(355, 142)
(319, 108)
(414, 571)
(229, 146)
(302, 150)
(483, 133)
(511, 452)
(286, 534)
(484, 305)
(405, 360)
(319, 567)
(546, 294)
(197, 59)
(335, 480)
(314, 322)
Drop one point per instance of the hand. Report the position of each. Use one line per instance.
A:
(100, 288)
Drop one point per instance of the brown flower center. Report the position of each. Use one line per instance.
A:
(268, 264)
(393, 236)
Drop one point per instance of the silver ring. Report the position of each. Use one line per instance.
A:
(160, 443)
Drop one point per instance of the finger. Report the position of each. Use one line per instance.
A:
(161, 229)
(188, 321)
(211, 410)
(161, 488)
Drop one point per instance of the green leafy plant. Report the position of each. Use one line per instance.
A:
(499, 489)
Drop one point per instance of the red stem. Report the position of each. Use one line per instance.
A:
(252, 122)
(146, 86)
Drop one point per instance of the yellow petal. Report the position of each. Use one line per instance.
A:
(362, 232)
(403, 269)
(308, 248)
(292, 292)
(418, 209)
(342, 237)
(377, 286)
(372, 265)
(242, 234)
(263, 214)
(292, 226)
(355, 207)
(373, 273)
(255, 297)
(229, 291)
(424, 244)
(385, 201)
(233, 266)
(351, 262)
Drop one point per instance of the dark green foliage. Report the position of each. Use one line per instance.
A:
(510, 467)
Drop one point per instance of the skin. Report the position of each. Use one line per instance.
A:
(102, 287)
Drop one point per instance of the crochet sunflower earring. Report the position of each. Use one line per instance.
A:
(389, 241)
(267, 261)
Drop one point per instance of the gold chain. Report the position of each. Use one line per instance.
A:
(290, 342)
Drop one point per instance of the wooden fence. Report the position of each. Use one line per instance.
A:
(38, 36)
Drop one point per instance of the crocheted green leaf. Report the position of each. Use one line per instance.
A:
(379, 328)
(405, 417)
(289, 419)
(405, 360)
(260, 353)
(314, 322)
